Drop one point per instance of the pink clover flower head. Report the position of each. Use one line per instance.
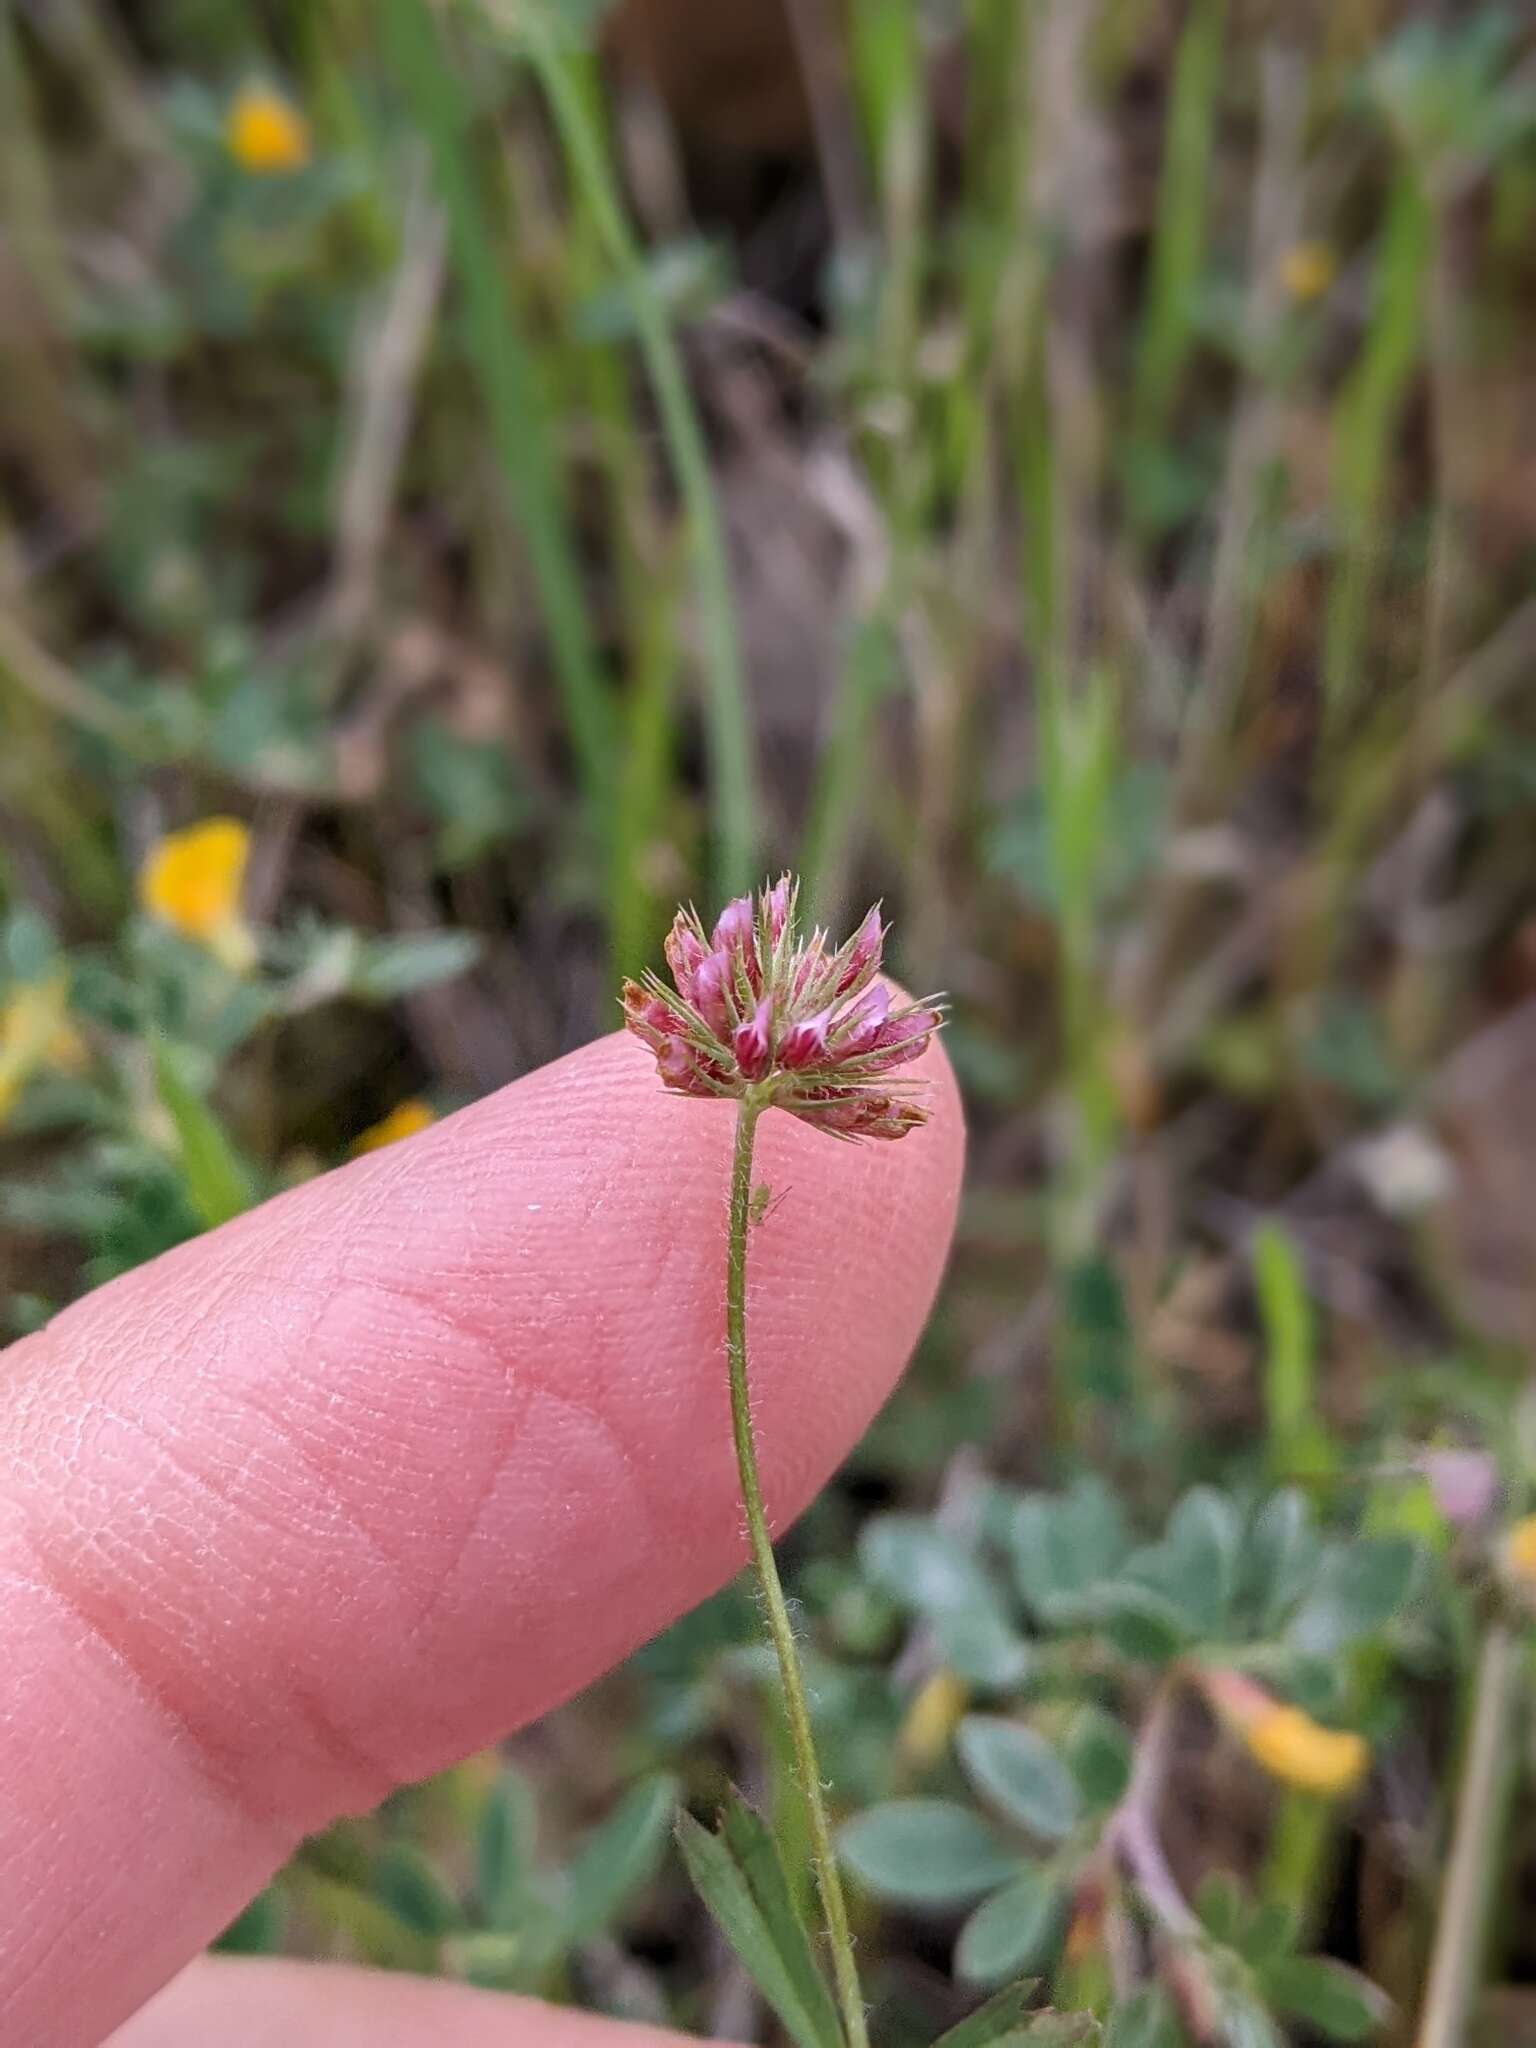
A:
(757, 1005)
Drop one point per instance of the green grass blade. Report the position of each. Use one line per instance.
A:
(720, 1882)
(644, 782)
(619, 1855)
(218, 1184)
(1178, 247)
(507, 371)
(1005, 2014)
(1369, 412)
(757, 1856)
(871, 670)
(1298, 1443)
(734, 801)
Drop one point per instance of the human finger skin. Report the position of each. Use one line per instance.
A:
(250, 2002)
(370, 1476)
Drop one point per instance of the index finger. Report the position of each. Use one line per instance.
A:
(354, 1485)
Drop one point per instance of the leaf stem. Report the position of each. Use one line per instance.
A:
(1131, 1834)
(823, 1857)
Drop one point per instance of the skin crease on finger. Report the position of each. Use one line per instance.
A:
(386, 1468)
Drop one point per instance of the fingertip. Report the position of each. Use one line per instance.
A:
(359, 1483)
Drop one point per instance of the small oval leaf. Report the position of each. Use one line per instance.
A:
(925, 1852)
(1327, 1995)
(1020, 1773)
(1013, 1931)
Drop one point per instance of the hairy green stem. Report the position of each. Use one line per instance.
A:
(823, 1856)
(1471, 1877)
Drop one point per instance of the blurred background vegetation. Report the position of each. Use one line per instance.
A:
(474, 474)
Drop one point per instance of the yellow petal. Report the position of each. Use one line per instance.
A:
(932, 1717)
(1295, 1748)
(265, 133)
(403, 1121)
(193, 878)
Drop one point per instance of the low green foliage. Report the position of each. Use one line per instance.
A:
(1069, 474)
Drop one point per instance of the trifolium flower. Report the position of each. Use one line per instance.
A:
(804, 1025)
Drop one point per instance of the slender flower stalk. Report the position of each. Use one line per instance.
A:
(823, 1856)
(758, 1015)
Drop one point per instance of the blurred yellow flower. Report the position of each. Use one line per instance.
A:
(403, 1121)
(932, 1717)
(1295, 1748)
(35, 1032)
(1287, 1742)
(1306, 271)
(266, 134)
(192, 881)
(1520, 1553)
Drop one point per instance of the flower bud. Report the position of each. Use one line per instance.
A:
(752, 1042)
(735, 935)
(805, 1043)
(903, 1038)
(735, 928)
(809, 964)
(777, 904)
(679, 1069)
(863, 953)
(864, 1021)
(643, 1013)
(659, 1018)
(685, 952)
(711, 979)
